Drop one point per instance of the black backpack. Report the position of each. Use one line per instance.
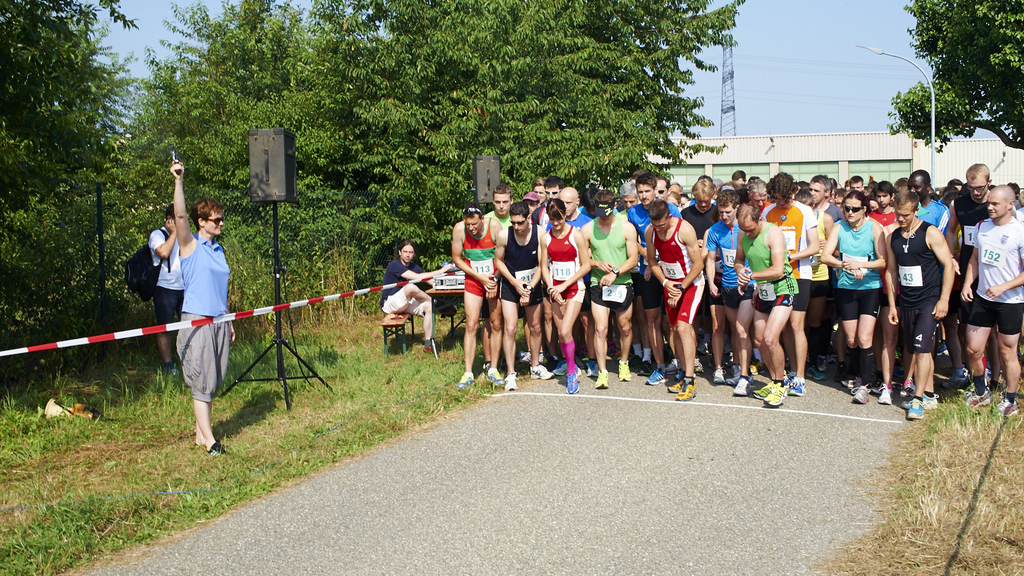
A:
(139, 272)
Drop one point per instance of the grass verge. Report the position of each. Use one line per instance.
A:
(924, 493)
(90, 487)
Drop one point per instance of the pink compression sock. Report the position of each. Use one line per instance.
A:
(569, 350)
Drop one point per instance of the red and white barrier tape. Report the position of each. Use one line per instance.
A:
(174, 327)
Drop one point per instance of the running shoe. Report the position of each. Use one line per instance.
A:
(634, 362)
(885, 397)
(656, 378)
(959, 379)
(797, 387)
(756, 367)
(688, 392)
(494, 377)
(840, 372)
(916, 410)
(560, 369)
(572, 383)
(539, 372)
(974, 401)
(775, 395)
(861, 395)
(940, 348)
(877, 387)
(486, 367)
(815, 373)
(697, 366)
(763, 393)
(736, 373)
(1006, 408)
(929, 402)
(524, 357)
(742, 387)
(852, 383)
(510, 382)
(704, 349)
(592, 368)
(672, 367)
(719, 376)
(646, 367)
(624, 373)
(466, 380)
(820, 364)
(602, 381)
(907, 391)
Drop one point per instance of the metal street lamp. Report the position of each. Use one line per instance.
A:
(927, 79)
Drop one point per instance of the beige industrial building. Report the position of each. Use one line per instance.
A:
(870, 155)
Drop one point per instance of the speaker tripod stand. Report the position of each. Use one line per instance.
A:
(279, 343)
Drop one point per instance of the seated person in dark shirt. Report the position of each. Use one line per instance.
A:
(409, 299)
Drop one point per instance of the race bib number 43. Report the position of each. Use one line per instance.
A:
(910, 276)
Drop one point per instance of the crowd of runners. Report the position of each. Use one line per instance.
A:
(775, 279)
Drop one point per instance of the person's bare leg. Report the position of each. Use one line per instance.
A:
(740, 319)
(534, 333)
(471, 304)
(494, 327)
(718, 322)
(548, 324)
(654, 335)
(163, 345)
(599, 317)
(1008, 352)
(625, 321)
(799, 361)
(204, 430)
(510, 312)
(686, 344)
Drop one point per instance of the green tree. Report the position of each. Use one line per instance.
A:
(976, 52)
(583, 89)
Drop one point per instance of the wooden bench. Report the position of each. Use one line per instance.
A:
(394, 326)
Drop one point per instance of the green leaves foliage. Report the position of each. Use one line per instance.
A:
(976, 51)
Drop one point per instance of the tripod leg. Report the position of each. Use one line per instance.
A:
(306, 365)
(247, 370)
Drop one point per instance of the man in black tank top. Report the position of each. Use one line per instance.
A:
(966, 211)
(917, 258)
(516, 256)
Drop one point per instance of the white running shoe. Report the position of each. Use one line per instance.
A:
(673, 367)
(885, 397)
(510, 382)
(719, 376)
(539, 372)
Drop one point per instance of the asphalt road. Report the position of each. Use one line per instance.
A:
(620, 481)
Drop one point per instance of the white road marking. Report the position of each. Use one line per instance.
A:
(760, 408)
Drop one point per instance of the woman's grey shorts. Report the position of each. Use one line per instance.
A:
(204, 356)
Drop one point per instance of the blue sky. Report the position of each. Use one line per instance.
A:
(797, 67)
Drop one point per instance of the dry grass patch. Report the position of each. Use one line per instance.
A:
(924, 494)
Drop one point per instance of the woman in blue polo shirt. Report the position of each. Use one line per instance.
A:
(203, 349)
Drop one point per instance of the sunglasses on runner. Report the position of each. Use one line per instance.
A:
(852, 209)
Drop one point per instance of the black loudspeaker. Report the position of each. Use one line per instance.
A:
(272, 165)
(486, 175)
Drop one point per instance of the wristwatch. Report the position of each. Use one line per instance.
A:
(616, 271)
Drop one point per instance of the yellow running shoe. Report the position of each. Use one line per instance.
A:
(763, 393)
(602, 380)
(676, 388)
(757, 367)
(688, 392)
(774, 398)
(624, 374)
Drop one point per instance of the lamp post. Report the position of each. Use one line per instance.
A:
(927, 79)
